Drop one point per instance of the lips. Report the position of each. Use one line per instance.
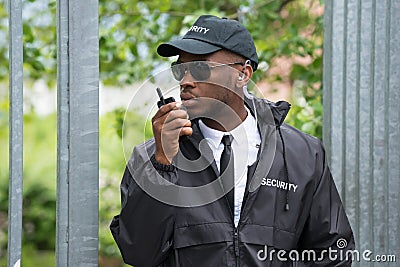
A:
(186, 96)
(188, 99)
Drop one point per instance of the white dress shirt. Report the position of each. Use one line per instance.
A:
(245, 144)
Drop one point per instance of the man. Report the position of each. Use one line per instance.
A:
(224, 182)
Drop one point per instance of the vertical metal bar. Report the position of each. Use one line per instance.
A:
(350, 183)
(362, 94)
(338, 88)
(394, 130)
(63, 132)
(84, 133)
(379, 121)
(365, 126)
(16, 134)
(78, 126)
(327, 76)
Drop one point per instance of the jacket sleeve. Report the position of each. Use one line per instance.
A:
(327, 230)
(143, 230)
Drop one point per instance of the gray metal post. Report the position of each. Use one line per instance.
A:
(362, 118)
(16, 134)
(78, 126)
(62, 134)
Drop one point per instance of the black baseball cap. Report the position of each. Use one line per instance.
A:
(210, 34)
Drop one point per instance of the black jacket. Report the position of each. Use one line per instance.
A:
(290, 205)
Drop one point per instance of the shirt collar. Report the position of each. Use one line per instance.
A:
(213, 136)
(239, 133)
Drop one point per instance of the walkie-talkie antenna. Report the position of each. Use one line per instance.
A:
(160, 96)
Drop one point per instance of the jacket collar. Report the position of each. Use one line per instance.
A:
(277, 111)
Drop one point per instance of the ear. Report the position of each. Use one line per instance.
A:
(244, 76)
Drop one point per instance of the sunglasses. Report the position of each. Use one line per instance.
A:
(199, 70)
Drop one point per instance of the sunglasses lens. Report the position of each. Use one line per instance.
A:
(178, 70)
(199, 70)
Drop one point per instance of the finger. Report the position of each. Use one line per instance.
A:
(175, 124)
(165, 109)
(176, 114)
(186, 131)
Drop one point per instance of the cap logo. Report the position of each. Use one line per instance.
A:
(198, 29)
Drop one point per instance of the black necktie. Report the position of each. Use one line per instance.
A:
(227, 169)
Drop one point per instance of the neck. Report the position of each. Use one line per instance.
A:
(226, 123)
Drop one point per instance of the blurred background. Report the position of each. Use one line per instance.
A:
(288, 35)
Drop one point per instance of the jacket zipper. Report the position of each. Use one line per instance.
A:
(236, 245)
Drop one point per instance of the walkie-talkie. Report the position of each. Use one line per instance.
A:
(163, 101)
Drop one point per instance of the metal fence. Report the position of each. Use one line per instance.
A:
(361, 124)
(77, 138)
(362, 118)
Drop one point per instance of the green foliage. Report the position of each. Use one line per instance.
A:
(306, 112)
(39, 40)
(39, 194)
(130, 31)
(32, 257)
(112, 165)
(3, 42)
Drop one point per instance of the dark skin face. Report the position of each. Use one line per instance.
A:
(219, 100)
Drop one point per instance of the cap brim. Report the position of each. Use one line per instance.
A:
(191, 46)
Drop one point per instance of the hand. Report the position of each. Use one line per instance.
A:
(169, 123)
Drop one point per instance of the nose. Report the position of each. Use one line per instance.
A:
(187, 81)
